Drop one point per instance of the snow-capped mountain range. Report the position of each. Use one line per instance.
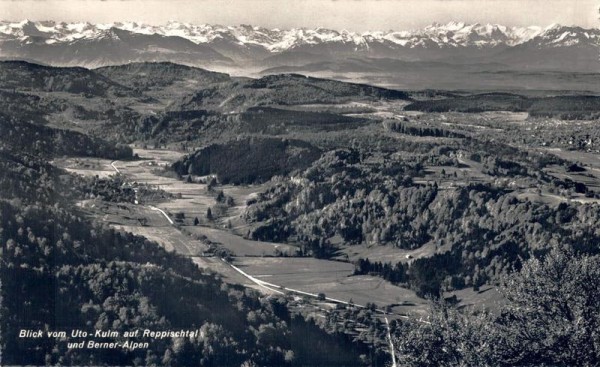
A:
(453, 34)
(91, 45)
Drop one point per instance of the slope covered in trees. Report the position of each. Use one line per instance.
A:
(24, 76)
(146, 76)
(165, 103)
(40, 140)
(66, 275)
(284, 89)
(479, 231)
(550, 318)
(248, 160)
(563, 107)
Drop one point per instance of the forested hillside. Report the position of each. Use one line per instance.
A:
(66, 274)
(480, 231)
(18, 75)
(249, 160)
(550, 318)
(153, 76)
(284, 89)
(562, 107)
(28, 138)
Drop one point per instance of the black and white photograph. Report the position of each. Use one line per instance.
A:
(300, 183)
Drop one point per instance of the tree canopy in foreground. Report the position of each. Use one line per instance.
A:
(551, 318)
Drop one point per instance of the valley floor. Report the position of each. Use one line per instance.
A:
(256, 258)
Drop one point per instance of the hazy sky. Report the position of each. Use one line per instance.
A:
(356, 15)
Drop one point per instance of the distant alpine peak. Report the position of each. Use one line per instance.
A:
(451, 34)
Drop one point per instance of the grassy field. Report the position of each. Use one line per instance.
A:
(193, 200)
(241, 246)
(143, 221)
(333, 279)
(241, 194)
(88, 167)
(158, 155)
(123, 213)
(166, 237)
(486, 297)
(228, 274)
(385, 253)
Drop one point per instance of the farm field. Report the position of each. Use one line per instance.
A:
(332, 278)
(385, 253)
(586, 158)
(239, 245)
(226, 272)
(192, 199)
(169, 239)
(144, 221)
(158, 155)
